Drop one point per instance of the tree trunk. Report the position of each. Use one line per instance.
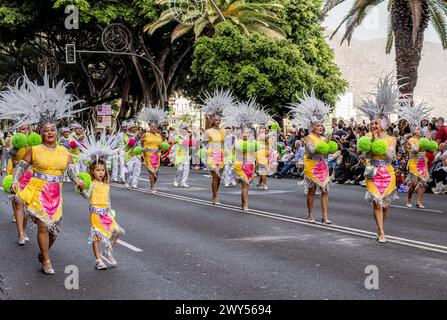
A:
(408, 54)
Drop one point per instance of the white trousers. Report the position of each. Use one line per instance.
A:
(118, 168)
(182, 173)
(133, 170)
(228, 174)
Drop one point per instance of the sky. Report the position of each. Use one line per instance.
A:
(374, 26)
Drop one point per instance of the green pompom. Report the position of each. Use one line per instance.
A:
(86, 179)
(242, 145)
(34, 139)
(256, 145)
(137, 151)
(364, 144)
(164, 146)
(322, 148)
(379, 147)
(424, 143)
(19, 141)
(202, 154)
(275, 126)
(333, 146)
(113, 213)
(7, 184)
(432, 146)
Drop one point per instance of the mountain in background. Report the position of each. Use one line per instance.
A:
(363, 61)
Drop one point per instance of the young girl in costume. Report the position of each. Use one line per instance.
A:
(104, 228)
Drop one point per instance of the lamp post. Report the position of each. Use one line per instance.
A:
(218, 10)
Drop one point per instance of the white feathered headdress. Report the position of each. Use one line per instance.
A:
(308, 111)
(383, 102)
(106, 148)
(245, 114)
(153, 115)
(214, 105)
(414, 113)
(39, 104)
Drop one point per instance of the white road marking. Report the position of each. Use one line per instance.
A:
(427, 210)
(338, 228)
(127, 245)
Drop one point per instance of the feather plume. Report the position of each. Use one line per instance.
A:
(245, 114)
(153, 115)
(40, 104)
(383, 102)
(105, 148)
(414, 113)
(308, 110)
(216, 104)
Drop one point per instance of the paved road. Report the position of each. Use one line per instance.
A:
(179, 246)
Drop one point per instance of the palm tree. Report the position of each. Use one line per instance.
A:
(408, 20)
(199, 17)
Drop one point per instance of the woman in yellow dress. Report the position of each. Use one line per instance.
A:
(42, 198)
(311, 113)
(104, 228)
(243, 116)
(379, 172)
(214, 138)
(155, 117)
(417, 165)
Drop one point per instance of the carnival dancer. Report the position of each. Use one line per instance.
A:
(64, 139)
(266, 155)
(228, 174)
(243, 117)
(118, 167)
(416, 147)
(155, 117)
(132, 155)
(18, 146)
(42, 198)
(380, 151)
(311, 113)
(75, 140)
(214, 138)
(104, 228)
(183, 145)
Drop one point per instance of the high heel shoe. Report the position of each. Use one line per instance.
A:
(420, 206)
(325, 221)
(310, 219)
(47, 271)
(380, 240)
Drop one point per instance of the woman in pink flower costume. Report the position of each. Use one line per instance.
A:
(214, 138)
(416, 147)
(311, 113)
(42, 198)
(380, 149)
(243, 116)
(155, 117)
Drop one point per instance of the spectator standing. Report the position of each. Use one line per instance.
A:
(441, 135)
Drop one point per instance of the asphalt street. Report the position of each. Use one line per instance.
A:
(180, 246)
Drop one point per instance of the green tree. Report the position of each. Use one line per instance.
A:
(408, 22)
(271, 70)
